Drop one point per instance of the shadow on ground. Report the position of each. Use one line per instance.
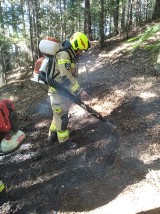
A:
(81, 188)
(45, 177)
(153, 211)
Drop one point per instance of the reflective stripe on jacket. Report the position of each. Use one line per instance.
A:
(68, 72)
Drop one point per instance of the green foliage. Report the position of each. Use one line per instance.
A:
(142, 41)
(146, 36)
(5, 42)
(133, 39)
(154, 50)
(29, 21)
(12, 15)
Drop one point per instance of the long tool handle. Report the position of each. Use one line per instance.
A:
(97, 115)
(64, 92)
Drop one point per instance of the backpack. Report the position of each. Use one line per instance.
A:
(8, 117)
(45, 66)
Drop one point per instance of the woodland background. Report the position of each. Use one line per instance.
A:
(23, 23)
(108, 172)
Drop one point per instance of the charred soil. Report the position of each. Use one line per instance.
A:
(110, 171)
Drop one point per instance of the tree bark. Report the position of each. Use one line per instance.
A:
(101, 24)
(116, 17)
(2, 49)
(87, 20)
(156, 13)
(30, 29)
(123, 17)
(37, 27)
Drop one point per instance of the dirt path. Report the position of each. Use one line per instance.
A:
(102, 175)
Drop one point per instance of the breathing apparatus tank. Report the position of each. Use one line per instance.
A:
(49, 47)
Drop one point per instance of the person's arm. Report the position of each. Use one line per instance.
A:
(69, 80)
(64, 66)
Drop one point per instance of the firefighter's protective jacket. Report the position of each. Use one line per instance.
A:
(68, 72)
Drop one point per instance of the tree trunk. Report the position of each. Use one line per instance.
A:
(116, 17)
(123, 17)
(23, 18)
(72, 16)
(156, 13)
(101, 24)
(129, 17)
(61, 20)
(38, 26)
(30, 29)
(64, 24)
(1, 45)
(2, 49)
(87, 20)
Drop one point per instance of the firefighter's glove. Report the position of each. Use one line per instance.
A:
(84, 96)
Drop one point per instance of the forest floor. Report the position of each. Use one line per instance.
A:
(110, 172)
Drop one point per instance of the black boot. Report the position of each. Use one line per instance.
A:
(53, 137)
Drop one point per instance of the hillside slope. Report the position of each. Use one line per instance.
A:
(103, 175)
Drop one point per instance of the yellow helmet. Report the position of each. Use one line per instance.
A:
(79, 41)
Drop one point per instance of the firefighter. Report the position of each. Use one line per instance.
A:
(66, 73)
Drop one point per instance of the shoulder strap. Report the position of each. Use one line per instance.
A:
(70, 52)
(51, 66)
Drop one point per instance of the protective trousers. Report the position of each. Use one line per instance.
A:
(60, 107)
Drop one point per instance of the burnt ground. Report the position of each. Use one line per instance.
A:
(111, 171)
